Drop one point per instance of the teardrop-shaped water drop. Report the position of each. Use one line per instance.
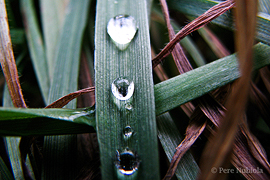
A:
(122, 88)
(122, 29)
(127, 162)
(128, 132)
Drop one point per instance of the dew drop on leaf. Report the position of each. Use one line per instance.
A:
(122, 88)
(127, 162)
(128, 132)
(122, 29)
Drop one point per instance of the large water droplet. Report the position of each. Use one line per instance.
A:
(122, 88)
(127, 162)
(128, 132)
(122, 29)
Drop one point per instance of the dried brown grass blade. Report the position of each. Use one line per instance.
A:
(255, 148)
(194, 130)
(179, 57)
(8, 61)
(214, 111)
(66, 99)
(218, 151)
(261, 101)
(10, 72)
(246, 147)
(197, 23)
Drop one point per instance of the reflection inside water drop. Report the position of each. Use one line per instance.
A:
(128, 131)
(122, 88)
(127, 162)
(122, 29)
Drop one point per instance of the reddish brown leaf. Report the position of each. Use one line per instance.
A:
(245, 149)
(179, 57)
(66, 99)
(261, 101)
(194, 130)
(8, 62)
(218, 151)
(199, 22)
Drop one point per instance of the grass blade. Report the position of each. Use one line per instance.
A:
(36, 47)
(31, 122)
(8, 61)
(193, 84)
(65, 79)
(134, 63)
(170, 139)
(196, 24)
(52, 14)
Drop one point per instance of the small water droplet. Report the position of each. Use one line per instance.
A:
(122, 88)
(128, 132)
(128, 106)
(115, 2)
(127, 162)
(122, 29)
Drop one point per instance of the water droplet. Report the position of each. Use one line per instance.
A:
(122, 88)
(127, 162)
(128, 106)
(122, 29)
(115, 2)
(128, 132)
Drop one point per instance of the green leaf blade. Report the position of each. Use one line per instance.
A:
(36, 47)
(134, 63)
(193, 84)
(33, 122)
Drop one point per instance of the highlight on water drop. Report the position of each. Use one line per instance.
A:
(122, 29)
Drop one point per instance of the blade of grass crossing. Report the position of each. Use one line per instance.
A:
(188, 86)
(187, 42)
(62, 149)
(32, 122)
(135, 64)
(170, 138)
(36, 46)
